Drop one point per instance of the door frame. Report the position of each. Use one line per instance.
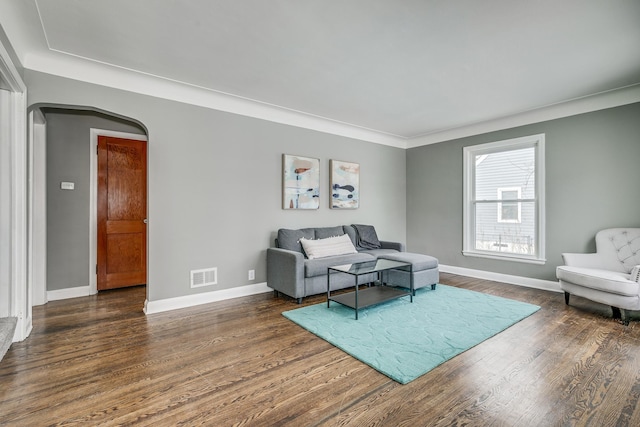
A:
(37, 220)
(93, 200)
(15, 119)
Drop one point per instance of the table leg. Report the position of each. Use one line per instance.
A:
(412, 290)
(328, 288)
(356, 296)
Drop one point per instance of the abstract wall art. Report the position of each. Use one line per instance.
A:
(300, 182)
(345, 185)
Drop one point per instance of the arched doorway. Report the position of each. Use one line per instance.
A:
(65, 136)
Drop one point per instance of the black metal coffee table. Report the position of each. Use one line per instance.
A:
(361, 298)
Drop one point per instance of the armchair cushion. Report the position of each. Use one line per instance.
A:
(619, 246)
(602, 280)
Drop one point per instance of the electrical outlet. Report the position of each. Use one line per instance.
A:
(252, 274)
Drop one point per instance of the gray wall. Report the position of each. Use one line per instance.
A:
(68, 157)
(215, 183)
(592, 178)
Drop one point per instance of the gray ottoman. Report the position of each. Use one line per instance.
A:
(425, 271)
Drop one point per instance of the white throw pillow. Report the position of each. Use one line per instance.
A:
(635, 273)
(331, 246)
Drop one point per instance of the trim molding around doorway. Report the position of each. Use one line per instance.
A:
(93, 200)
(14, 120)
(37, 213)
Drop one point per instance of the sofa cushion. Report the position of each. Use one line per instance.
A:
(419, 262)
(290, 239)
(325, 232)
(351, 232)
(602, 280)
(378, 252)
(331, 246)
(318, 267)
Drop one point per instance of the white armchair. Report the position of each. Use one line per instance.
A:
(610, 276)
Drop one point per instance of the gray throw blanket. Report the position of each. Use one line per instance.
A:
(366, 236)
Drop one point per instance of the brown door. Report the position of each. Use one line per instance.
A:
(122, 213)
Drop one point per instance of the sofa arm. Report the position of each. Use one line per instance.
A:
(400, 247)
(285, 272)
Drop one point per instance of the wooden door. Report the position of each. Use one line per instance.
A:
(122, 213)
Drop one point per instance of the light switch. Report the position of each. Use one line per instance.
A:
(67, 185)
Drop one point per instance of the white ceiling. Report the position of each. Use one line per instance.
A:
(399, 69)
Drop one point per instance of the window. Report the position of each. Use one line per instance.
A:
(504, 200)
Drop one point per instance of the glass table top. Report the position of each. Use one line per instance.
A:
(372, 266)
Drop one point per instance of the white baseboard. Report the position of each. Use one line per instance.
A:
(528, 282)
(58, 294)
(151, 307)
(159, 306)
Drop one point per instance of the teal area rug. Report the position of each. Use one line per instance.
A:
(405, 340)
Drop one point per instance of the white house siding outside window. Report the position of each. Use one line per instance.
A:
(509, 209)
(504, 199)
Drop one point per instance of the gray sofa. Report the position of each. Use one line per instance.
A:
(290, 272)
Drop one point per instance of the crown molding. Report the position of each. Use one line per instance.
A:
(78, 68)
(82, 69)
(587, 104)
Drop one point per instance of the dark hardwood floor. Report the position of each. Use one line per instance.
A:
(100, 361)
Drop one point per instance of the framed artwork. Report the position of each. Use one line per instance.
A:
(300, 182)
(345, 185)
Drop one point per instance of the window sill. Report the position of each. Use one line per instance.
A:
(506, 257)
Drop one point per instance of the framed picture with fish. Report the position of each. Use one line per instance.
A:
(300, 182)
(345, 185)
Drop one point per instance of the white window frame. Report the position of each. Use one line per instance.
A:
(519, 205)
(469, 202)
